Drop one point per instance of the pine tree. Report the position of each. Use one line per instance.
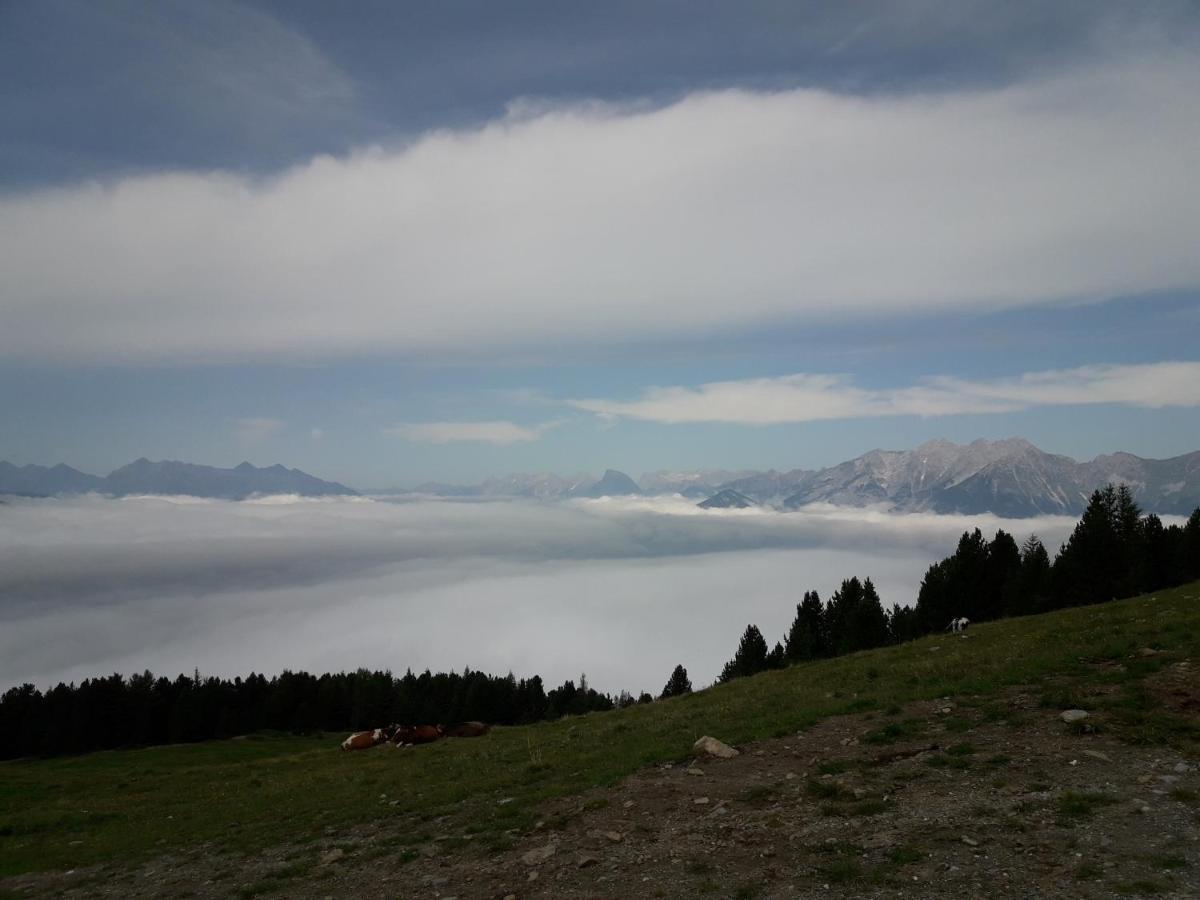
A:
(1088, 568)
(751, 656)
(678, 684)
(839, 612)
(870, 621)
(1003, 570)
(1189, 563)
(776, 658)
(806, 638)
(1033, 590)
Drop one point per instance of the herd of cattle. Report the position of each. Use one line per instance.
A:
(407, 735)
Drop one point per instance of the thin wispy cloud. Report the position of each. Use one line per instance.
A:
(254, 430)
(500, 433)
(814, 397)
(598, 223)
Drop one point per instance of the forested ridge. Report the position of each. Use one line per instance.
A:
(1114, 552)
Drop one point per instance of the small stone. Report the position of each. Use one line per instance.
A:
(539, 854)
(700, 801)
(1096, 754)
(614, 836)
(1074, 715)
(505, 801)
(695, 771)
(532, 876)
(1147, 651)
(510, 897)
(628, 804)
(328, 859)
(789, 776)
(970, 841)
(587, 859)
(1182, 768)
(710, 746)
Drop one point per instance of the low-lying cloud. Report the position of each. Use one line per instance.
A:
(558, 225)
(622, 589)
(500, 433)
(811, 397)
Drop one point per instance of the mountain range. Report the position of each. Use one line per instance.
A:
(1011, 478)
(166, 477)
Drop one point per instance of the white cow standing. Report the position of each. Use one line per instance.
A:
(959, 625)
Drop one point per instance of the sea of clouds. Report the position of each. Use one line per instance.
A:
(620, 589)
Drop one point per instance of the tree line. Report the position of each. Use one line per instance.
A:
(1114, 552)
(141, 710)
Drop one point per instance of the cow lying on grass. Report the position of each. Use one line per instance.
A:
(415, 734)
(361, 740)
(408, 735)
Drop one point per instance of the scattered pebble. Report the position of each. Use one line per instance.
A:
(328, 859)
(539, 854)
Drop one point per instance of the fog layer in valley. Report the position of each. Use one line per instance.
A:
(620, 589)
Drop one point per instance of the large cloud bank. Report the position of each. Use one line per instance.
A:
(623, 590)
(810, 397)
(724, 209)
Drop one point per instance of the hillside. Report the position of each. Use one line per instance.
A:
(839, 783)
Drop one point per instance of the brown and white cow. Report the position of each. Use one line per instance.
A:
(361, 740)
(466, 729)
(416, 734)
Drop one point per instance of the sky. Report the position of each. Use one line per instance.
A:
(622, 589)
(390, 243)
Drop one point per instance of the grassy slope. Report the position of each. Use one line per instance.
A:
(244, 795)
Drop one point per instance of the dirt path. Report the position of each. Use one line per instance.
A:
(932, 800)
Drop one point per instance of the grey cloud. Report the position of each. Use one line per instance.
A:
(723, 210)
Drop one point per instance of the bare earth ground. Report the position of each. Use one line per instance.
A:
(995, 799)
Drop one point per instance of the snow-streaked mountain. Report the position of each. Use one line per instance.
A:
(167, 477)
(703, 483)
(611, 484)
(727, 499)
(541, 485)
(1008, 478)
(769, 486)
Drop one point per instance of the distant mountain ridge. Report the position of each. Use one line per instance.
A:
(1011, 478)
(166, 477)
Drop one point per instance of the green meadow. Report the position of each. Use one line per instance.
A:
(272, 790)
